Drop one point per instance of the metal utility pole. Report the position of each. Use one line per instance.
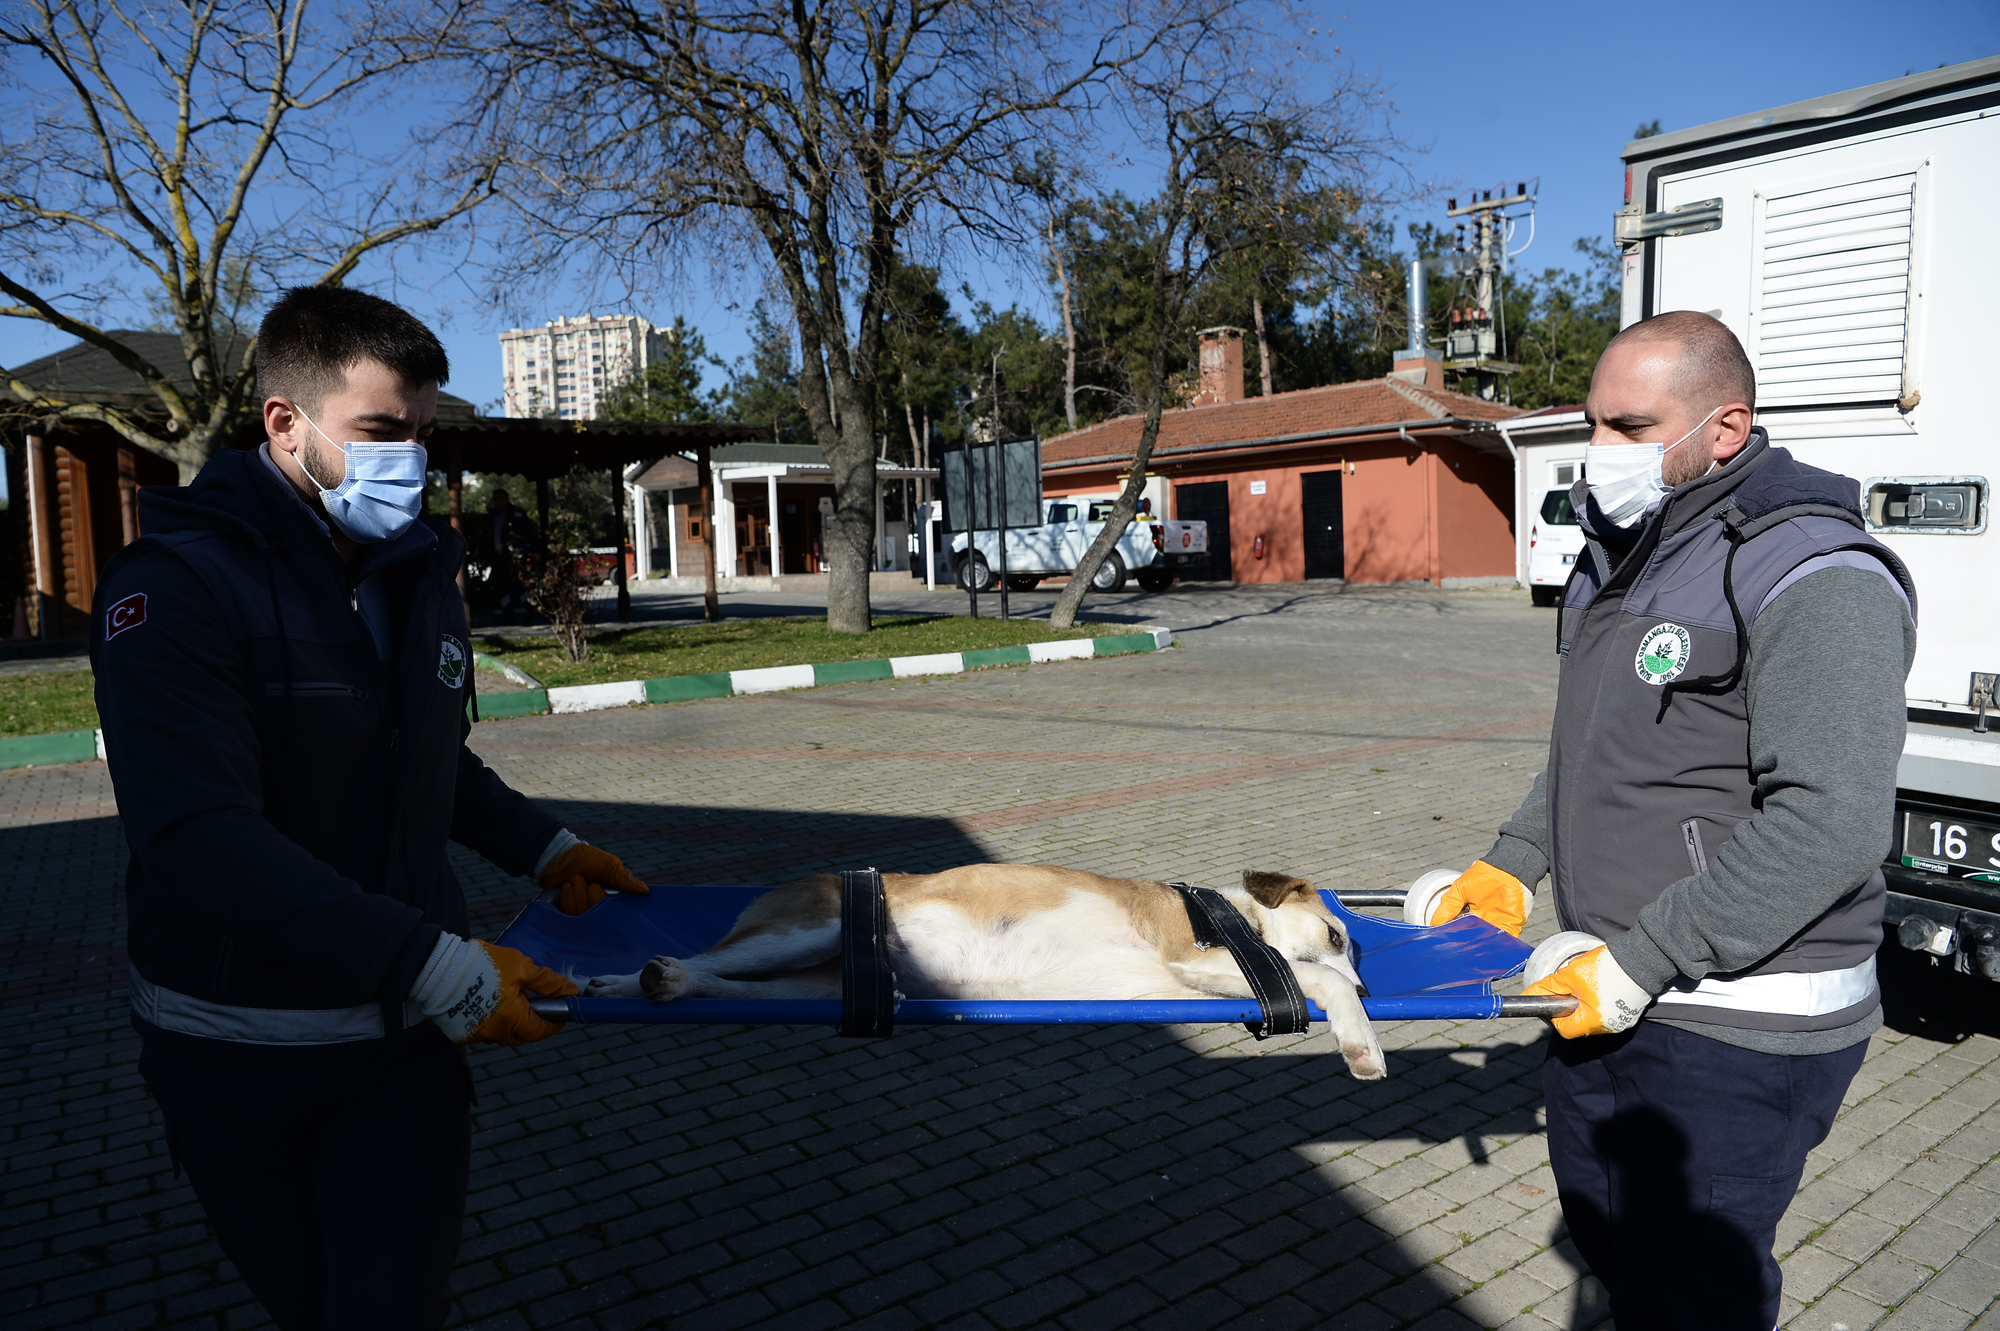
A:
(1476, 325)
(971, 531)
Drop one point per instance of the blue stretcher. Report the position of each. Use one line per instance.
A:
(1409, 973)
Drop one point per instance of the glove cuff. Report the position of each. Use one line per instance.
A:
(560, 842)
(446, 962)
(459, 987)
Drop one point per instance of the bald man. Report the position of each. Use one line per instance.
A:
(1718, 800)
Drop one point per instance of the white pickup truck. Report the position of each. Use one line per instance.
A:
(1151, 550)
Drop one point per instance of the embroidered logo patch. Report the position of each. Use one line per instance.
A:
(129, 613)
(451, 661)
(1663, 654)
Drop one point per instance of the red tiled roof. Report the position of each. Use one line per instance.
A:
(1367, 402)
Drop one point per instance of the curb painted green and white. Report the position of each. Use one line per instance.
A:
(81, 746)
(774, 679)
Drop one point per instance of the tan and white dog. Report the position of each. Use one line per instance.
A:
(1007, 931)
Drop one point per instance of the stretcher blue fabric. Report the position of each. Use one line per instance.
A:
(1407, 972)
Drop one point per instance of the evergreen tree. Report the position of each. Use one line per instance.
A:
(669, 388)
(764, 386)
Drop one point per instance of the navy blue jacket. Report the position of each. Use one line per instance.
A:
(286, 794)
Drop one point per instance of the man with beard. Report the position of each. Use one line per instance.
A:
(282, 665)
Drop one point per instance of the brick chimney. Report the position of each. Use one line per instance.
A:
(1419, 367)
(1221, 367)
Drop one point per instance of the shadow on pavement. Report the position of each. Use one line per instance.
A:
(741, 1176)
(1922, 996)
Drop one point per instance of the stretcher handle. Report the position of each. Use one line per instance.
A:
(1373, 896)
(795, 1012)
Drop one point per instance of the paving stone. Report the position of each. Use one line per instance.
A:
(1000, 1177)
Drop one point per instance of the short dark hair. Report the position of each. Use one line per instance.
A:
(1713, 368)
(310, 337)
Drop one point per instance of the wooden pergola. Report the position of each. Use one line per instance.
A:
(76, 483)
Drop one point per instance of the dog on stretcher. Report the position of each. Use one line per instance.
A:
(1035, 932)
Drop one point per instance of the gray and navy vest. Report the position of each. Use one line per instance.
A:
(1649, 771)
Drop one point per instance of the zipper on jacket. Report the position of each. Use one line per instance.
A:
(317, 689)
(1691, 840)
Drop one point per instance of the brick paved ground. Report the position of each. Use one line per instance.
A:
(1159, 1178)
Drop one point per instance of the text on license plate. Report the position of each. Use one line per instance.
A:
(1940, 843)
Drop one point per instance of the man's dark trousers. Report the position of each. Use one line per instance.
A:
(336, 1186)
(1675, 1157)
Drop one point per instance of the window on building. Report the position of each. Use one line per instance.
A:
(1566, 474)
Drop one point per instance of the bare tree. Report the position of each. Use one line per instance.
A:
(1227, 108)
(819, 135)
(196, 151)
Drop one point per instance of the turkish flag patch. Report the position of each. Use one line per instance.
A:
(129, 613)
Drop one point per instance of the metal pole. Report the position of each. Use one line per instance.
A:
(711, 605)
(971, 528)
(618, 549)
(1000, 461)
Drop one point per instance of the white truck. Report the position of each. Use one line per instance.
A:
(1151, 550)
(1847, 241)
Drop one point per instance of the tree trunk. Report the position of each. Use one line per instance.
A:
(1263, 347)
(1069, 329)
(845, 440)
(1071, 600)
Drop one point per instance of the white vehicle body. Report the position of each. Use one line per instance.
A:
(1853, 257)
(1555, 539)
(1149, 548)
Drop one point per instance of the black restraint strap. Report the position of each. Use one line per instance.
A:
(867, 985)
(1217, 923)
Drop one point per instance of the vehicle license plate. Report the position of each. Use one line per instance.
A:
(1940, 843)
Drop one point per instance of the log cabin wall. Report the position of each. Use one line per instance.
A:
(81, 491)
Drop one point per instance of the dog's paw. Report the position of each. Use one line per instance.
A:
(1365, 1062)
(614, 986)
(665, 979)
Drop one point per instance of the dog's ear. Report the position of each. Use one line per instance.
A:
(1272, 890)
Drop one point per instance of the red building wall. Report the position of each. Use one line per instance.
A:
(1425, 511)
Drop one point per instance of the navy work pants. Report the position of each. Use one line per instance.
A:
(1675, 1157)
(336, 1186)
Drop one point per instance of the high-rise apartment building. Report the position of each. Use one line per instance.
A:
(568, 366)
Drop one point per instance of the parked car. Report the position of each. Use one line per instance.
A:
(1150, 550)
(1553, 545)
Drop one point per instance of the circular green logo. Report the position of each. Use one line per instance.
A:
(451, 661)
(1663, 654)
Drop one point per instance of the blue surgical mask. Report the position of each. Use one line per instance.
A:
(382, 492)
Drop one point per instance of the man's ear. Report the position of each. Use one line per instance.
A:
(1272, 890)
(284, 424)
(1732, 430)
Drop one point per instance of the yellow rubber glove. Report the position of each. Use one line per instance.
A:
(477, 992)
(1607, 1001)
(1495, 896)
(583, 873)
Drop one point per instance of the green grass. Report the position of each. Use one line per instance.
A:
(750, 644)
(48, 701)
(43, 703)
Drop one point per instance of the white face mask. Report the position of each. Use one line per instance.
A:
(1625, 479)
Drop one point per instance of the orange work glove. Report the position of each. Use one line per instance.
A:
(583, 873)
(476, 992)
(1607, 1001)
(1494, 895)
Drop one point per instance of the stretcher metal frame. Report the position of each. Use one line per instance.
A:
(1409, 972)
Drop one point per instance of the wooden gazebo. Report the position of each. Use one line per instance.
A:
(74, 485)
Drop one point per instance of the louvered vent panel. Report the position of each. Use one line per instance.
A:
(1834, 280)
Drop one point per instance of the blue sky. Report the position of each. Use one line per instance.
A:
(1551, 90)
